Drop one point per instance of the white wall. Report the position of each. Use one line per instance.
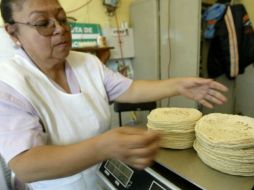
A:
(95, 12)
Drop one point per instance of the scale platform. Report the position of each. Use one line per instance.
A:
(189, 166)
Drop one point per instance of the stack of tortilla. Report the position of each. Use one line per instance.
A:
(226, 143)
(176, 125)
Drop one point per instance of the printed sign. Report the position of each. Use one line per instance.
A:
(84, 35)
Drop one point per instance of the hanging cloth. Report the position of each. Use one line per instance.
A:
(232, 48)
(212, 15)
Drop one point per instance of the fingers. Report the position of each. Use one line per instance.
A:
(139, 163)
(206, 103)
(138, 137)
(132, 131)
(143, 157)
(138, 147)
(218, 86)
(212, 84)
(215, 97)
(147, 151)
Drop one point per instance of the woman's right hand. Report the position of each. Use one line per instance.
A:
(136, 147)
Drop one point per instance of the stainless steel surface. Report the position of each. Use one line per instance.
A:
(187, 164)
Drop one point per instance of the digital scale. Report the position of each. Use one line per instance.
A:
(172, 170)
(118, 176)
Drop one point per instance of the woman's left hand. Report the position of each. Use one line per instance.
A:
(205, 91)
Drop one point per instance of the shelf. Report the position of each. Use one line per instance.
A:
(92, 49)
(103, 53)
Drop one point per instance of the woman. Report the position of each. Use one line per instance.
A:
(54, 104)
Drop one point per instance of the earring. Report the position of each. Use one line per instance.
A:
(17, 44)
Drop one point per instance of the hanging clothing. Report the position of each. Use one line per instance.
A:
(91, 116)
(232, 48)
(212, 15)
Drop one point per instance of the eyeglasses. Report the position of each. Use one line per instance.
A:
(47, 27)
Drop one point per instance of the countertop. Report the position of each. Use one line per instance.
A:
(188, 165)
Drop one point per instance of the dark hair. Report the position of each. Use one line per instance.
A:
(7, 9)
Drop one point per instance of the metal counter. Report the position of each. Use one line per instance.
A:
(188, 165)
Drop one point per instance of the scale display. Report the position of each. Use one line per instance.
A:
(120, 171)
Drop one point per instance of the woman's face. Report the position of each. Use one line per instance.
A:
(43, 45)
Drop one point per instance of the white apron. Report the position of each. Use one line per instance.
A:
(67, 118)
